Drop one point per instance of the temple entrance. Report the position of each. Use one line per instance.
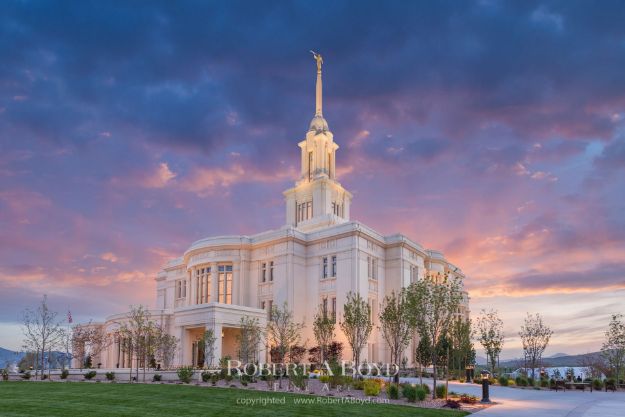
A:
(197, 353)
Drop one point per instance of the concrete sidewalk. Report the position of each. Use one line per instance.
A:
(516, 402)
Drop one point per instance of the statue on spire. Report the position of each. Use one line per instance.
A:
(318, 58)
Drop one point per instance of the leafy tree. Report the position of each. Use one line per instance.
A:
(209, 340)
(422, 354)
(535, 337)
(395, 326)
(283, 333)
(462, 350)
(433, 303)
(323, 329)
(249, 339)
(136, 329)
(490, 335)
(356, 324)
(613, 349)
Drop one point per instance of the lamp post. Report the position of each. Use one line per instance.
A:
(485, 382)
(469, 373)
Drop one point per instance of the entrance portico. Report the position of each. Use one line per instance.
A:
(225, 321)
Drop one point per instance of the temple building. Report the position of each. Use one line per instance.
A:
(315, 259)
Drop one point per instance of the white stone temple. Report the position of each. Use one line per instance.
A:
(316, 258)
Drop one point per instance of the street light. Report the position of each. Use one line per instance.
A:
(469, 373)
(485, 381)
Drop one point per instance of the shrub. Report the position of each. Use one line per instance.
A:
(468, 399)
(215, 378)
(597, 384)
(441, 391)
(531, 382)
(64, 374)
(409, 392)
(392, 390)
(521, 381)
(206, 376)
(157, 377)
(426, 388)
(90, 375)
(511, 383)
(110, 376)
(421, 394)
(324, 379)
(503, 381)
(5, 374)
(358, 384)
(544, 383)
(372, 387)
(299, 379)
(452, 404)
(26, 375)
(185, 374)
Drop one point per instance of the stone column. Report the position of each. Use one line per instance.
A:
(218, 343)
(214, 282)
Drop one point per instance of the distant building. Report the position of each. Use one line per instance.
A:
(314, 260)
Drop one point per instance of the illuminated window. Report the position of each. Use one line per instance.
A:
(225, 284)
(202, 285)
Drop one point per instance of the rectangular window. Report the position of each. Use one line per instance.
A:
(225, 284)
(262, 305)
(325, 307)
(334, 266)
(372, 268)
(324, 273)
(334, 309)
(309, 213)
(414, 274)
(181, 288)
(310, 164)
(263, 272)
(202, 285)
(269, 309)
(271, 271)
(368, 266)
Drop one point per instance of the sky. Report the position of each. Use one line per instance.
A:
(492, 131)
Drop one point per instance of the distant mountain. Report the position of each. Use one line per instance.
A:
(8, 357)
(557, 360)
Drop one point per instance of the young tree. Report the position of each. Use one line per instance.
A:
(395, 326)
(613, 349)
(42, 331)
(135, 328)
(249, 339)
(283, 333)
(209, 339)
(422, 354)
(323, 329)
(356, 324)
(490, 335)
(535, 337)
(433, 304)
(462, 350)
(166, 346)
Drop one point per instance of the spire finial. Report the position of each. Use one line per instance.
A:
(319, 59)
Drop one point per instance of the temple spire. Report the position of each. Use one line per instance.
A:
(319, 95)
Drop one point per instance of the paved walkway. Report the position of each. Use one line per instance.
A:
(517, 402)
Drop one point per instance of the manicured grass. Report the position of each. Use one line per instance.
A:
(92, 399)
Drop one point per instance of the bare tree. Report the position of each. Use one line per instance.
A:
(490, 335)
(283, 332)
(323, 329)
(396, 325)
(248, 339)
(42, 331)
(535, 337)
(135, 329)
(613, 349)
(356, 324)
(434, 302)
(88, 340)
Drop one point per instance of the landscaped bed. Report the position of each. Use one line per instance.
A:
(47, 398)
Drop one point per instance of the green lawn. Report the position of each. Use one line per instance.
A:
(91, 399)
